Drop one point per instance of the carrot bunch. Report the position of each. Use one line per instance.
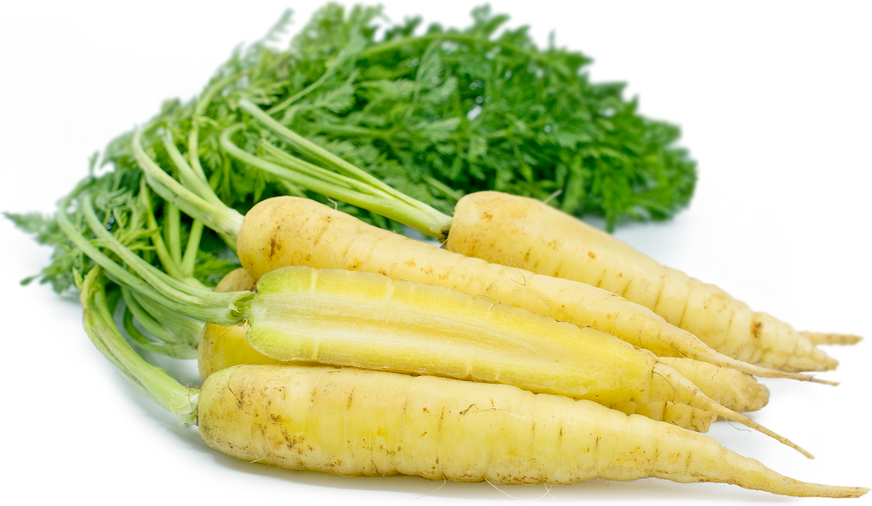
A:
(356, 422)
(321, 290)
(528, 348)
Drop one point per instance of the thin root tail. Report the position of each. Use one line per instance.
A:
(826, 338)
(729, 414)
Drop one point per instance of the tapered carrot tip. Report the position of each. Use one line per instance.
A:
(729, 414)
(856, 491)
(751, 474)
(824, 382)
(697, 399)
(764, 372)
(801, 489)
(830, 338)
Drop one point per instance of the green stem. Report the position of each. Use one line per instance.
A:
(94, 253)
(327, 183)
(197, 303)
(190, 259)
(182, 351)
(150, 380)
(319, 154)
(173, 230)
(183, 329)
(390, 203)
(202, 188)
(160, 247)
(276, 155)
(189, 177)
(166, 325)
(220, 218)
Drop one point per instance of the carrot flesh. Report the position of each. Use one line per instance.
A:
(293, 231)
(367, 320)
(222, 347)
(370, 321)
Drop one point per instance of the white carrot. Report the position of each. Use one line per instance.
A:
(351, 422)
(525, 233)
(365, 320)
(295, 231)
(506, 229)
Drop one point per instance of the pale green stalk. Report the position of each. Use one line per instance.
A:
(190, 259)
(311, 177)
(197, 303)
(181, 351)
(189, 177)
(173, 230)
(157, 239)
(152, 381)
(220, 218)
(168, 326)
(199, 184)
(348, 183)
(324, 157)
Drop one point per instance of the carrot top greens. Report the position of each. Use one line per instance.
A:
(434, 112)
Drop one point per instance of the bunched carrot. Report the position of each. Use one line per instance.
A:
(452, 330)
(221, 347)
(525, 233)
(265, 231)
(351, 422)
(510, 230)
(294, 231)
(366, 320)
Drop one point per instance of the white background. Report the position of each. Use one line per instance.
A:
(775, 104)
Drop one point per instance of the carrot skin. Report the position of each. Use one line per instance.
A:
(351, 422)
(733, 389)
(293, 231)
(359, 319)
(825, 338)
(525, 233)
(222, 347)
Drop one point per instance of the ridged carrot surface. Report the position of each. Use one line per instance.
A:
(351, 422)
